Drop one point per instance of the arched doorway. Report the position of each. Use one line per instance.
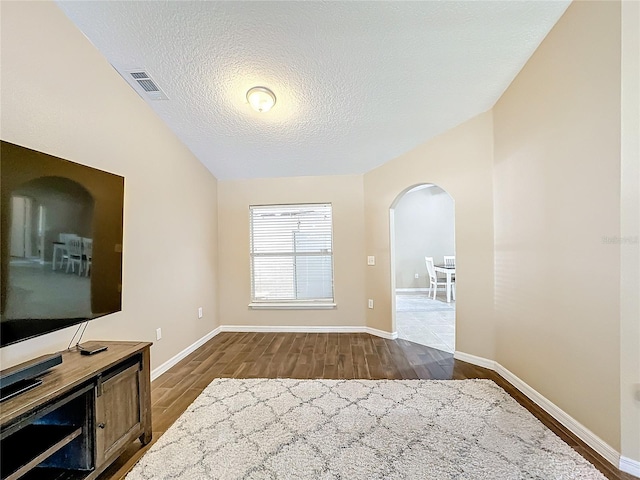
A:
(422, 220)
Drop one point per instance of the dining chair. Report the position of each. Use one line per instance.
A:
(62, 238)
(87, 254)
(450, 261)
(433, 277)
(74, 252)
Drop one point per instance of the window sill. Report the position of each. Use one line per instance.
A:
(291, 306)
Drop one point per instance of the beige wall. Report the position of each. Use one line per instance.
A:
(345, 193)
(559, 315)
(460, 162)
(423, 226)
(557, 198)
(95, 118)
(630, 229)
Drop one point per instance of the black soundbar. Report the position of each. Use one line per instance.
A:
(22, 377)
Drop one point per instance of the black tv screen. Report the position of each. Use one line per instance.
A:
(61, 243)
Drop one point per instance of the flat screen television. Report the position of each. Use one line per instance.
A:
(61, 243)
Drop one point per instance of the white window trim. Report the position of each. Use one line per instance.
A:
(291, 306)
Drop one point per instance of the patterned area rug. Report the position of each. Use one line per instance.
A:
(359, 429)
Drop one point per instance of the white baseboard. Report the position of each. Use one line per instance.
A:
(290, 329)
(586, 435)
(308, 329)
(381, 333)
(411, 290)
(156, 372)
(479, 361)
(582, 432)
(630, 466)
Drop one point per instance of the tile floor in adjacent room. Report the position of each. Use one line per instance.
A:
(429, 322)
(35, 290)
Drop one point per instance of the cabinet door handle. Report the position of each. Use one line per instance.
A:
(101, 425)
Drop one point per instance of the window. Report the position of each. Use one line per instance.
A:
(291, 256)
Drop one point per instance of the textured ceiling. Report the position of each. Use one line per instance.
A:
(357, 83)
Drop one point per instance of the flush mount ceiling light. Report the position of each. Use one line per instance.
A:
(261, 99)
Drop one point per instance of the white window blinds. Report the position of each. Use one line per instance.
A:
(291, 253)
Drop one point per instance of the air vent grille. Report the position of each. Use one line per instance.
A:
(148, 85)
(140, 78)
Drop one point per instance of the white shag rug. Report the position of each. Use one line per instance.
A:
(359, 429)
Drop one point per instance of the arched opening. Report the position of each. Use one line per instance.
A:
(49, 216)
(422, 221)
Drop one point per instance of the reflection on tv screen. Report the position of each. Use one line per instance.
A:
(61, 243)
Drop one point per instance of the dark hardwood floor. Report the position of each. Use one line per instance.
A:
(317, 355)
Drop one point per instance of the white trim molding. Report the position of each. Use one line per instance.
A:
(308, 329)
(291, 306)
(582, 432)
(630, 466)
(479, 361)
(156, 372)
(289, 329)
(381, 333)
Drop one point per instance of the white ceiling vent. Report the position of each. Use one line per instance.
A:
(144, 84)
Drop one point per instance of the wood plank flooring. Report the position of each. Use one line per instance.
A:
(316, 355)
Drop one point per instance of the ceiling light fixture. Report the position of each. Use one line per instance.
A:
(261, 99)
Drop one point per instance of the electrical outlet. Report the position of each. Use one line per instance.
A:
(371, 260)
(158, 333)
(371, 303)
(199, 312)
(417, 275)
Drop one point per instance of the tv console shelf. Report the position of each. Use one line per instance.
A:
(81, 418)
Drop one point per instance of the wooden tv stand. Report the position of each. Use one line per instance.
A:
(84, 415)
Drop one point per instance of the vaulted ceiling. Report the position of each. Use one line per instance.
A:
(357, 83)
